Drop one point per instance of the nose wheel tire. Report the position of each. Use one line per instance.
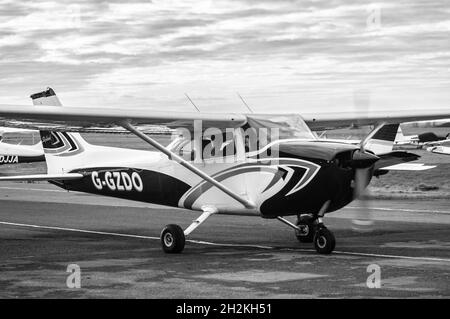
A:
(172, 239)
(324, 241)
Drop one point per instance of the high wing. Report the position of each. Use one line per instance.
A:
(82, 118)
(324, 121)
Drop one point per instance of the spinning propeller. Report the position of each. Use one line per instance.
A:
(363, 165)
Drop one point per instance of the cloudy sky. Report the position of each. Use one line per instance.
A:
(283, 55)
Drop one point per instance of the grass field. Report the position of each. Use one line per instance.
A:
(434, 183)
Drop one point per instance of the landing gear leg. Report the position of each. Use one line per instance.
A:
(324, 241)
(173, 238)
(307, 226)
(310, 229)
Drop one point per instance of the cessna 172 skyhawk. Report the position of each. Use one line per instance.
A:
(292, 175)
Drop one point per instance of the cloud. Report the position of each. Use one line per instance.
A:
(281, 55)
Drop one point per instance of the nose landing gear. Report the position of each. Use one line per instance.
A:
(310, 229)
(307, 229)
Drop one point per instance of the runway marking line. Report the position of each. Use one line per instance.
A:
(34, 189)
(222, 245)
(402, 210)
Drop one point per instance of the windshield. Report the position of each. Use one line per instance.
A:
(289, 126)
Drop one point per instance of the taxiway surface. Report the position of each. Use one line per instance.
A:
(116, 244)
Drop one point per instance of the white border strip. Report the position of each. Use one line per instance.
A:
(33, 189)
(401, 210)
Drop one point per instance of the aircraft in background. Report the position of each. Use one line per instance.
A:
(402, 140)
(382, 144)
(12, 151)
(429, 138)
(421, 140)
(215, 169)
(442, 147)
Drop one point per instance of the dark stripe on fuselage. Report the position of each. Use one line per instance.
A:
(134, 184)
(330, 183)
(14, 159)
(73, 146)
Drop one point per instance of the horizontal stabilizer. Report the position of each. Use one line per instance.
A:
(394, 158)
(399, 161)
(408, 167)
(42, 177)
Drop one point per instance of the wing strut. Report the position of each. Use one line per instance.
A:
(248, 204)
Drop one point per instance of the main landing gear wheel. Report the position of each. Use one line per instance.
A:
(306, 224)
(324, 241)
(172, 239)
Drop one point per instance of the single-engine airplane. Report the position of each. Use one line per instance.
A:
(221, 170)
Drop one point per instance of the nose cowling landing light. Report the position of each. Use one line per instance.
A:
(361, 159)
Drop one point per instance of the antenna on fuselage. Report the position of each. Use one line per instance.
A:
(245, 103)
(192, 102)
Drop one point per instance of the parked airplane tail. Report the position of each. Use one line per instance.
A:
(382, 141)
(399, 136)
(47, 97)
(62, 150)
